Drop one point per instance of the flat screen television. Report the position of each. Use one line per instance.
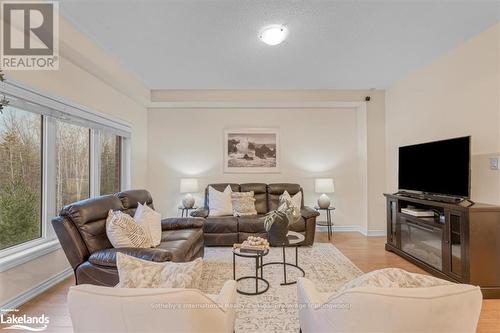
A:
(440, 167)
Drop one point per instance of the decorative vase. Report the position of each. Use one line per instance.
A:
(324, 201)
(278, 231)
(188, 201)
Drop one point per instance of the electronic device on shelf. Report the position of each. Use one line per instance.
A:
(418, 212)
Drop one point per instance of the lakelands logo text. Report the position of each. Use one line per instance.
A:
(25, 322)
(30, 35)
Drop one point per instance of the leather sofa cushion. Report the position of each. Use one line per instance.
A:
(72, 243)
(94, 235)
(260, 195)
(251, 224)
(184, 249)
(221, 224)
(131, 198)
(89, 216)
(180, 223)
(88, 273)
(274, 191)
(225, 239)
(107, 257)
(184, 234)
(90, 210)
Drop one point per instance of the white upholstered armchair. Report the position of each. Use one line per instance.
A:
(104, 309)
(361, 306)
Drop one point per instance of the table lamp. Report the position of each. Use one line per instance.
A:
(188, 186)
(323, 186)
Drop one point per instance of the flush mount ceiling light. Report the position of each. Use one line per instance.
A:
(273, 34)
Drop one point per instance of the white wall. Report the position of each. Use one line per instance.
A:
(314, 143)
(184, 121)
(76, 81)
(456, 95)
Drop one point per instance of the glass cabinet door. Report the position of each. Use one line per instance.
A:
(392, 212)
(454, 244)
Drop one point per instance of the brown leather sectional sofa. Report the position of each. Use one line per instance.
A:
(227, 230)
(81, 229)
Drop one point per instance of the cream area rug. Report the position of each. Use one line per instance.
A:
(275, 310)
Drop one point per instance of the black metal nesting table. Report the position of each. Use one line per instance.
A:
(258, 264)
(294, 239)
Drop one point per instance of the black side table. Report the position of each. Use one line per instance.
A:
(186, 210)
(293, 239)
(328, 223)
(258, 264)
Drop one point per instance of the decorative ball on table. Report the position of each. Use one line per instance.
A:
(323, 186)
(257, 241)
(188, 186)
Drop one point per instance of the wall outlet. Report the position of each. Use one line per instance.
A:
(494, 163)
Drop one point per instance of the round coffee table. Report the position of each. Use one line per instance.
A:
(258, 264)
(294, 239)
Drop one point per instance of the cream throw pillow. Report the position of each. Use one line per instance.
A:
(243, 203)
(296, 199)
(219, 203)
(123, 231)
(150, 220)
(288, 201)
(393, 278)
(138, 273)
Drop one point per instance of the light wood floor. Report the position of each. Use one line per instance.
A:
(365, 252)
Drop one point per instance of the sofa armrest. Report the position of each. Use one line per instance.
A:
(178, 223)
(200, 212)
(227, 296)
(107, 257)
(307, 294)
(308, 212)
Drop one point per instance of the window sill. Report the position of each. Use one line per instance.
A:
(27, 254)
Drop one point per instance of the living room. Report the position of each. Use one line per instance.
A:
(197, 101)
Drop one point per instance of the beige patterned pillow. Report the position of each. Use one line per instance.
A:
(393, 278)
(286, 201)
(150, 221)
(138, 273)
(243, 203)
(123, 231)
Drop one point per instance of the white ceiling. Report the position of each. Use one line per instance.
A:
(213, 44)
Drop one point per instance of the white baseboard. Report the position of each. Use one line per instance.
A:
(24, 297)
(338, 228)
(352, 228)
(376, 233)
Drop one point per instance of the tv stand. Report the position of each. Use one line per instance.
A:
(436, 197)
(459, 243)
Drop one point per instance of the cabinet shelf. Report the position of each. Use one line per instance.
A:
(427, 220)
(460, 248)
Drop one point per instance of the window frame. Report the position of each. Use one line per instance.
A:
(52, 108)
(97, 164)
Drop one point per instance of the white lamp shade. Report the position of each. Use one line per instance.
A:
(189, 185)
(324, 185)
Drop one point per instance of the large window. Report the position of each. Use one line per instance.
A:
(20, 176)
(72, 163)
(52, 153)
(110, 151)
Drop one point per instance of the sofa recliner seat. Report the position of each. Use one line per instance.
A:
(81, 229)
(227, 230)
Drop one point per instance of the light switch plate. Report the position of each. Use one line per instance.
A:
(494, 163)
